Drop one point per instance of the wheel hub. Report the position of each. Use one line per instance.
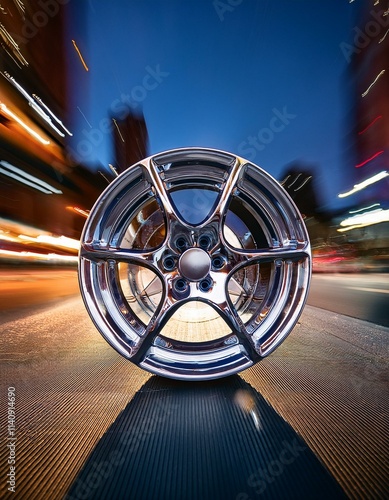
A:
(194, 264)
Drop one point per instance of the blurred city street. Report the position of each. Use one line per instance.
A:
(309, 421)
(195, 161)
(363, 296)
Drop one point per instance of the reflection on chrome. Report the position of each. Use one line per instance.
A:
(194, 264)
(246, 402)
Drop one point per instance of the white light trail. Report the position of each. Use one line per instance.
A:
(364, 208)
(79, 109)
(8, 39)
(52, 257)
(365, 219)
(303, 184)
(117, 127)
(114, 171)
(58, 241)
(373, 83)
(51, 113)
(383, 38)
(22, 176)
(295, 180)
(365, 183)
(32, 103)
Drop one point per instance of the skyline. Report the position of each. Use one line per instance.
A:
(262, 81)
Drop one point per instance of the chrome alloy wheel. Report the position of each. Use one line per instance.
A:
(194, 264)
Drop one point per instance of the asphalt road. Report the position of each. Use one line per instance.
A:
(309, 421)
(363, 296)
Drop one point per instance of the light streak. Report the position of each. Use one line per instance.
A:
(113, 169)
(303, 184)
(57, 241)
(383, 38)
(370, 124)
(365, 183)
(373, 83)
(5, 237)
(20, 6)
(23, 181)
(12, 57)
(284, 181)
(79, 109)
(117, 127)
(80, 211)
(101, 173)
(8, 39)
(365, 219)
(364, 208)
(369, 159)
(349, 228)
(80, 55)
(28, 129)
(291, 184)
(38, 256)
(22, 176)
(51, 113)
(32, 103)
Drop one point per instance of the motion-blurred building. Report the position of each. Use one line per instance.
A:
(40, 183)
(369, 122)
(130, 138)
(366, 224)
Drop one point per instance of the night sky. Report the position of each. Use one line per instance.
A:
(263, 79)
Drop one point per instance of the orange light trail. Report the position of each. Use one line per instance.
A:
(32, 132)
(80, 55)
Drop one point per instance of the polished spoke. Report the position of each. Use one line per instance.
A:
(243, 258)
(227, 192)
(228, 312)
(155, 326)
(134, 256)
(160, 191)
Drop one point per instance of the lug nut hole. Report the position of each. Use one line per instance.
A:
(169, 263)
(181, 243)
(205, 285)
(217, 262)
(204, 242)
(180, 285)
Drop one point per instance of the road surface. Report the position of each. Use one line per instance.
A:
(363, 296)
(309, 421)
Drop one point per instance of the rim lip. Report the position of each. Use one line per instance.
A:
(202, 371)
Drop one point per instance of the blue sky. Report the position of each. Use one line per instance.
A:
(264, 79)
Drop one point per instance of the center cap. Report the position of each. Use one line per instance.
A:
(194, 264)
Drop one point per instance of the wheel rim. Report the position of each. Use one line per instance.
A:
(194, 264)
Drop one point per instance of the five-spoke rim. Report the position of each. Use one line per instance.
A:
(192, 227)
